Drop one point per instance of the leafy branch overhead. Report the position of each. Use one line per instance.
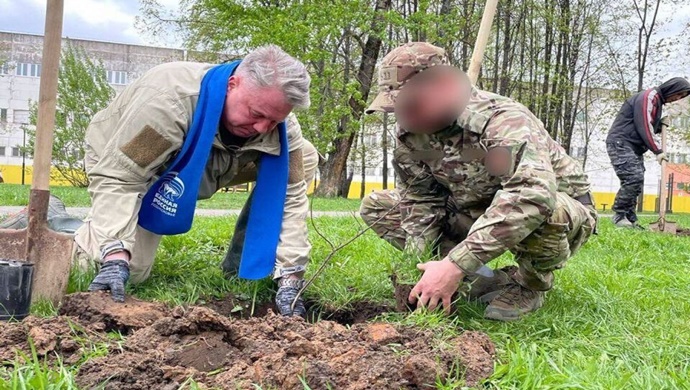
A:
(83, 90)
(545, 54)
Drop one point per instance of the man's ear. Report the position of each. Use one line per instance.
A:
(233, 82)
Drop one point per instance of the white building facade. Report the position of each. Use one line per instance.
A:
(20, 71)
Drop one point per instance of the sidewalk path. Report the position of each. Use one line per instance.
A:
(82, 211)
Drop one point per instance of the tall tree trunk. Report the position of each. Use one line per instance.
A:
(334, 169)
(643, 36)
(548, 45)
(363, 166)
(507, 46)
(384, 151)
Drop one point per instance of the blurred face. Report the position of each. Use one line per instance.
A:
(432, 100)
(676, 97)
(251, 110)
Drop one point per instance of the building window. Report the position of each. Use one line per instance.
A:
(3, 115)
(2, 150)
(5, 68)
(678, 158)
(117, 77)
(21, 117)
(16, 152)
(577, 152)
(29, 70)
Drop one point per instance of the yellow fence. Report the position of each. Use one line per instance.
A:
(681, 204)
(12, 174)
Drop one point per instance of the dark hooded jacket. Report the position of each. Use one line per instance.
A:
(640, 116)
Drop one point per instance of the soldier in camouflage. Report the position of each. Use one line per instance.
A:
(478, 175)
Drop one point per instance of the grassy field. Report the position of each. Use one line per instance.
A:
(618, 317)
(18, 195)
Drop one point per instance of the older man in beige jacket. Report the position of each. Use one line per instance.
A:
(132, 142)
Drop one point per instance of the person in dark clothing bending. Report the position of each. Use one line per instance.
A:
(631, 136)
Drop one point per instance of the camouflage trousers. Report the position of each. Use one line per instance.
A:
(629, 168)
(545, 250)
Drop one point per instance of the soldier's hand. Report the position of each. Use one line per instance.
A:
(438, 284)
(112, 277)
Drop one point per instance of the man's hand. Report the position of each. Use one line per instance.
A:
(661, 157)
(438, 283)
(112, 277)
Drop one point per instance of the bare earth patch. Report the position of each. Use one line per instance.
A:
(165, 347)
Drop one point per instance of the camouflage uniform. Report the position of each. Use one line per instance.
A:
(493, 181)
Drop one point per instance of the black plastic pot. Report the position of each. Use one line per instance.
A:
(15, 289)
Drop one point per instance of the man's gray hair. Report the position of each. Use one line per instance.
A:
(270, 66)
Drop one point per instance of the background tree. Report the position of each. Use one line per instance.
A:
(545, 54)
(83, 90)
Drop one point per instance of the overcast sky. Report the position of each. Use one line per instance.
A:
(105, 20)
(113, 20)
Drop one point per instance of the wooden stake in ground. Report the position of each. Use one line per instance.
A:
(482, 39)
(49, 251)
(662, 225)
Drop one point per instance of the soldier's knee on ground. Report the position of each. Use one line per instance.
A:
(379, 204)
(380, 211)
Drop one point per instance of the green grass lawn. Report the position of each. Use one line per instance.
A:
(18, 195)
(618, 317)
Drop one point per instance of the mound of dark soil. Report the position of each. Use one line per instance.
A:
(165, 347)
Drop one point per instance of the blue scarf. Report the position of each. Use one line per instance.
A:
(168, 206)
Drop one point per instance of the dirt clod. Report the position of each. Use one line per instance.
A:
(165, 347)
(402, 295)
(98, 308)
(382, 334)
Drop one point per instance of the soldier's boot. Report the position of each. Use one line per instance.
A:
(514, 302)
(621, 221)
(483, 290)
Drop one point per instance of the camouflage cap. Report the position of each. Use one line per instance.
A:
(399, 66)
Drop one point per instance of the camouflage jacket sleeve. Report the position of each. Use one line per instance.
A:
(517, 154)
(423, 201)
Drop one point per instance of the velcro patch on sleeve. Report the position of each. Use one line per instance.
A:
(499, 161)
(296, 168)
(147, 146)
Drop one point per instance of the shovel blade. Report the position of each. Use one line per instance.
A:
(50, 252)
(52, 258)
